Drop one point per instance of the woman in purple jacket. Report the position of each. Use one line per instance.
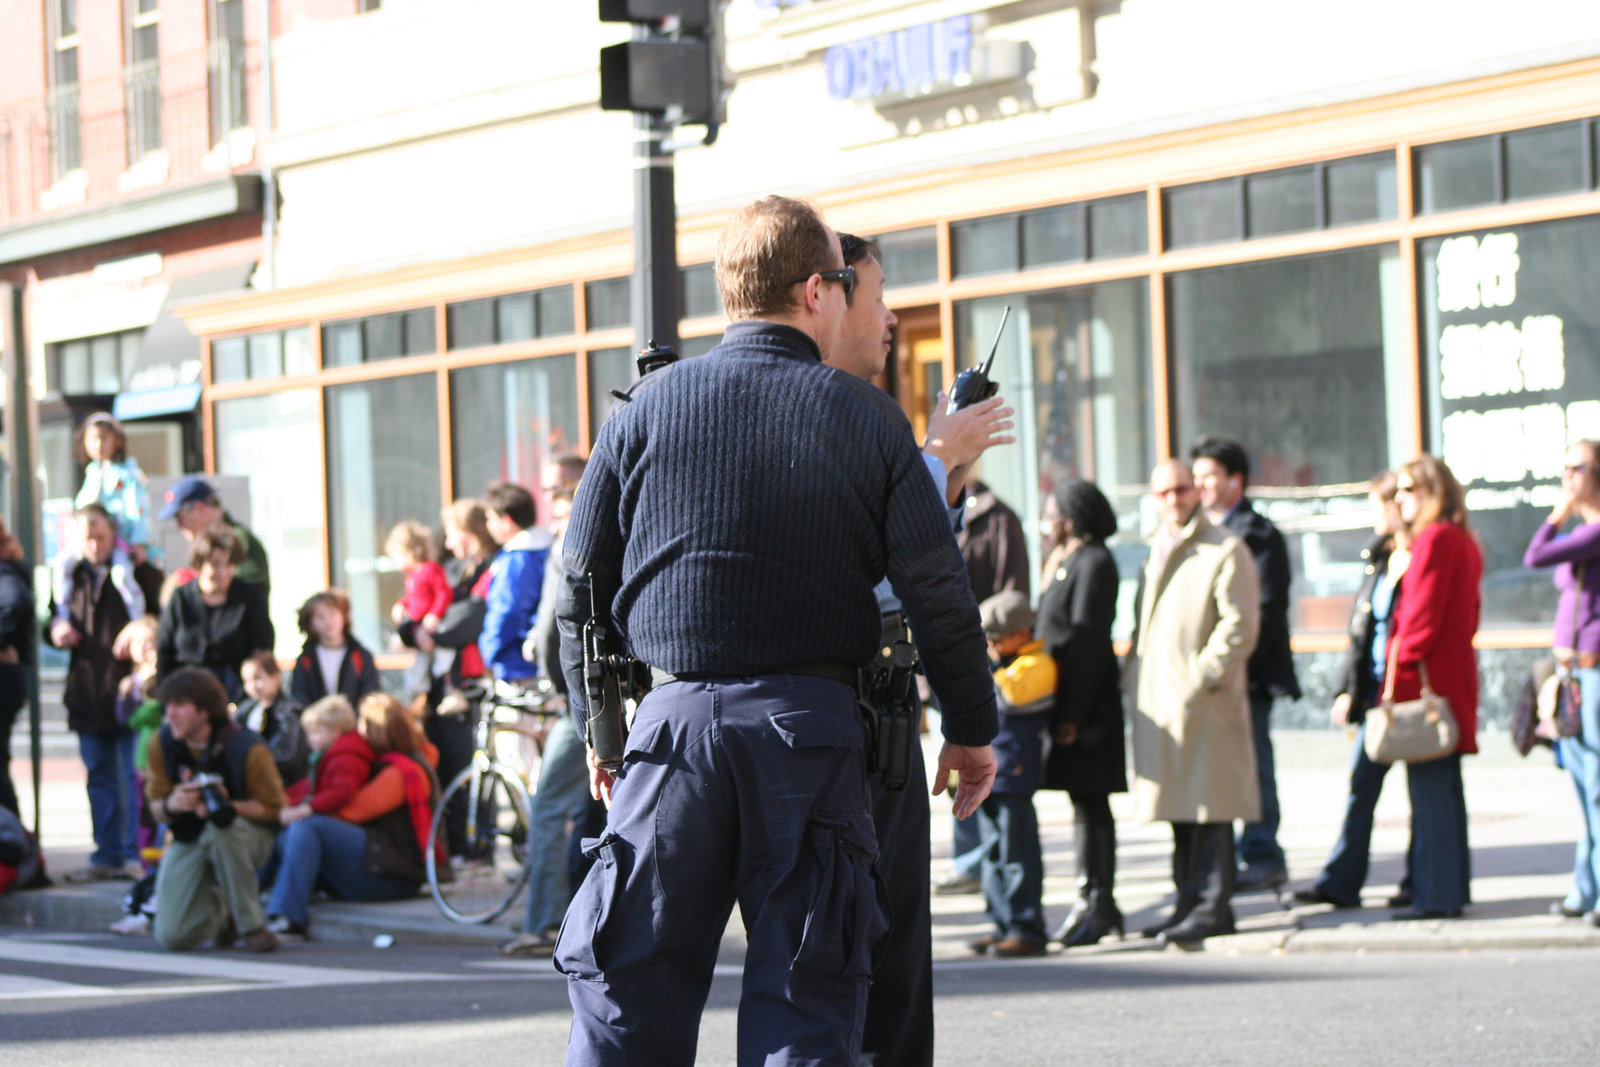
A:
(1576, 637)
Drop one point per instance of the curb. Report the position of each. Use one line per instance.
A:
(62, 909)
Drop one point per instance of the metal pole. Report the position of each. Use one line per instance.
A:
(656, 287)
(268, 275)
(23, 509)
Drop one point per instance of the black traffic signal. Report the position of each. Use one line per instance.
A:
(674, 68)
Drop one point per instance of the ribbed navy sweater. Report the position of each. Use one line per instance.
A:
(743, 508)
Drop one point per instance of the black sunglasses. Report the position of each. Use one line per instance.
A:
(845, 276)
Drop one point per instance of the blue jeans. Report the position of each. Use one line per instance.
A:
(113, 796)
(747, 789)
(1258, 844)
(1346, 871)
(561, 796)
(1441, 862)
(1581, 756)
(1013, 866)
(325, 851)
(966, 847)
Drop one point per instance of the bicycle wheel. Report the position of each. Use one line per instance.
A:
(495, 866)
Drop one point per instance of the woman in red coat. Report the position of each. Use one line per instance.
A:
(1433, 625)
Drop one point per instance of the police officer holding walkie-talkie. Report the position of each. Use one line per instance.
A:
(899, 1023)
(733, 520)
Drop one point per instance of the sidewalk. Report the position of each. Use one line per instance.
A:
(1523, 820)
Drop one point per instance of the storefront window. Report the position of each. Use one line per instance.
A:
(1300, 360)
(508, 418)
(1074, 363)
(1511, 351)
(609, 368)
(609, 302)
(910, 257)
(383, 466)
(272, 441)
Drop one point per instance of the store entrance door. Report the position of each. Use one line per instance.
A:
(919, 365)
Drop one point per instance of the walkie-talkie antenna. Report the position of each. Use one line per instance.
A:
(989, 363)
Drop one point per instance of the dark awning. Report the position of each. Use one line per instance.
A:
(166, 377)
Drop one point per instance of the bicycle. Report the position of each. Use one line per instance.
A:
(496, 793)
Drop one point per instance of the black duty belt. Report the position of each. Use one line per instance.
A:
(843, 673)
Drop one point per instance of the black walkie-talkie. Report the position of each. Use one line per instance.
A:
(651, 358)
(973, 384)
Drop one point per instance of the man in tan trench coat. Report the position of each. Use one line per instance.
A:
(1193, 756)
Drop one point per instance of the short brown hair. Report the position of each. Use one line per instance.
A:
(333, 598)
(1440, 497)
(412, 538)
(216, 539)
(263, 661)
(333, 712)
(766, 248)
(388, 726)
(197, 686)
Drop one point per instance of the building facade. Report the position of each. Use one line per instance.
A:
(1340, 233)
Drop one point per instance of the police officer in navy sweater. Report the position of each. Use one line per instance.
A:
(735, 518)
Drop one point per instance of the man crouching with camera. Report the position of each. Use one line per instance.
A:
(215, 785)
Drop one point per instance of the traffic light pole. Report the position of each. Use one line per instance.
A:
(656, 286)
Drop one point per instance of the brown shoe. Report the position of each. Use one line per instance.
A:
(1018, 947)
(981, 945)
(262, 940)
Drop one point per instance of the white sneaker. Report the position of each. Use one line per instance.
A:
(132, 925)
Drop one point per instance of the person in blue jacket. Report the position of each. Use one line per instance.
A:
(515, 581)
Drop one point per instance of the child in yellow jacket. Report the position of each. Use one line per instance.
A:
(1013, 860)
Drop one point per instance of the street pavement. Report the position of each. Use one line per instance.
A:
(1523, 820)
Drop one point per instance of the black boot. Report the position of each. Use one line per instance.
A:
(1100, 917)
(1095, 913)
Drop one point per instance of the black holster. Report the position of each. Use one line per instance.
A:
(611, 680)
(890, 706)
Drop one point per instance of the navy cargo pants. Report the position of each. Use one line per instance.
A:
(747, 789)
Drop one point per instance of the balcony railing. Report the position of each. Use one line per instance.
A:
(141, 95)
(66, 131)
(124, 132)
(230, 99)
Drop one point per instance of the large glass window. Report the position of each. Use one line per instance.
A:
(609, 302)
(1303, 361)
(1511, 352)
(910, 257)
(378, 337)
(508, 418)
(700, 296)
(509, 318)
(1074, 363)
(1543, 161)
(272, 441)
(383, 466)
(609, 368)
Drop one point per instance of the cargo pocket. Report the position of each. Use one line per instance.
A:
(847, 921)
(580, 951)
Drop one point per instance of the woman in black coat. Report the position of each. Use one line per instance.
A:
(1088, 757)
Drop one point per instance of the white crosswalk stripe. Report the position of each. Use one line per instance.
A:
(190, 973)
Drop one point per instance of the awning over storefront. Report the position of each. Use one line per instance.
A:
(166, 377)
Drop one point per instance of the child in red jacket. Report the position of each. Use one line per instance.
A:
(341, 759)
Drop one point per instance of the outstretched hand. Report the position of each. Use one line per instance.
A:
(975, 765)
(958, 438)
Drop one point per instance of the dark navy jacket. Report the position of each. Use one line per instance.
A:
(737, 515)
